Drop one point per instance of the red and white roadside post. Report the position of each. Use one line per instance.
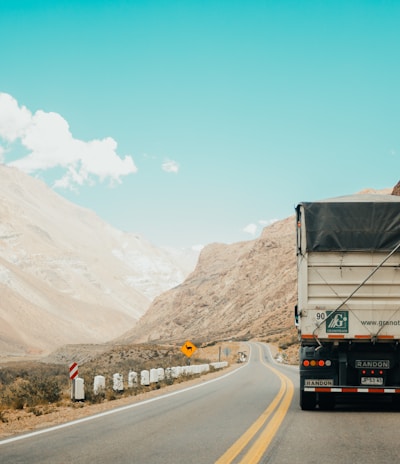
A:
(77, 385)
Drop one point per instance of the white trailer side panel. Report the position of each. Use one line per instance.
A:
(328, 279)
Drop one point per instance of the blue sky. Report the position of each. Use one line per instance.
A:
(192, 122)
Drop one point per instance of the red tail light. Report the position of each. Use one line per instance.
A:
(317, 363)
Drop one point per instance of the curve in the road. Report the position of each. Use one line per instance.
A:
(277, 409)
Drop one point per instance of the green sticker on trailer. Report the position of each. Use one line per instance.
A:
(337, 322)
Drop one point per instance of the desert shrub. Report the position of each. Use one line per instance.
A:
(36, 411)
(111, 395)
(288, 341)
(40, 384)
(3, 418)
(48, 390)
(94, 398)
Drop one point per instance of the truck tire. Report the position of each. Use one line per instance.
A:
(308, 400)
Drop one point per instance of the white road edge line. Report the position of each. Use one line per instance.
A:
(114, 411)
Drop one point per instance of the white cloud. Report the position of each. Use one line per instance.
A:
(13, 120)
(170, 166)
(251, 229)
(50, 144)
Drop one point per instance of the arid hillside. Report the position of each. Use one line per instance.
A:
(243, 290)
(66, 276)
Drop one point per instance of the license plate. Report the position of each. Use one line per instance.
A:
(318, 382)
(371, 381)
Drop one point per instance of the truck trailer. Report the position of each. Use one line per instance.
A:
(348, 307)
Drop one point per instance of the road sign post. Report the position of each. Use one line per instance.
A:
(73, 370)
(77, 384)
(188, 349)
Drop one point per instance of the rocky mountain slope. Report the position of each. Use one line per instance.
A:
(242, 290)
(66, 276)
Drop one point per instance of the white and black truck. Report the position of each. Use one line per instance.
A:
(348, 308)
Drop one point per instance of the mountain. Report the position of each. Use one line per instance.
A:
(66, 276)
(242, 290)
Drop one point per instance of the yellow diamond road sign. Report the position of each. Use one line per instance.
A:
(188, 348)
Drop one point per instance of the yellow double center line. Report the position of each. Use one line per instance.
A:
(278, 409)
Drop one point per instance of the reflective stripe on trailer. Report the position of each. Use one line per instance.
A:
(351, 390)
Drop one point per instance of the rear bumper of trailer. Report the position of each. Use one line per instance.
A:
(376, 390)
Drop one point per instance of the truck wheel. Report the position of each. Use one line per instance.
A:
(308, 400)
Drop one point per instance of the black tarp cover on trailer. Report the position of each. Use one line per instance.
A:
(353, 223)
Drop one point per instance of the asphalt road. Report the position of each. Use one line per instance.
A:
(250, 415)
